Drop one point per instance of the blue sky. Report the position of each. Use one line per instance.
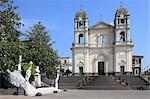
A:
(58, 17)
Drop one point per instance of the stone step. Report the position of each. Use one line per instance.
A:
(106, 88)
(68, 84)
(68, 87)
(103, 83)
(135, 82)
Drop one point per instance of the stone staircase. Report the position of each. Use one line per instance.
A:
(69, 82)
(104, 83)
(136, 82)
(97, 83)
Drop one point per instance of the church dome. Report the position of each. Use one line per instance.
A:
(122, 10)
(81, 13)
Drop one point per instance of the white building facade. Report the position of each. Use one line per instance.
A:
(66, 63)
(102, 49)
(136, 64)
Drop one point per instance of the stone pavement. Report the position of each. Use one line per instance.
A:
(89, 94)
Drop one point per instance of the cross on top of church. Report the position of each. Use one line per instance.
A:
(121, 3)
(101, 17)
(81, 6)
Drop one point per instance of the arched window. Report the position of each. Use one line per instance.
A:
(81, 64)
(101, 39)
(122, 21)
(65, 61)
(81, 24)
(81, 39)
(122, 36)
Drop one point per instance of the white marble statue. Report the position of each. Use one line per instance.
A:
(20, 61)
(18, 80)
(37, 76)
(57, 79)
(28, 72)
(37, 70)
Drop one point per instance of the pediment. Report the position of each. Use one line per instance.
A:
(102, 25)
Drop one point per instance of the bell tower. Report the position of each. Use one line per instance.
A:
(122, 43)
(80, 51)
(122, 26)
(80, 29)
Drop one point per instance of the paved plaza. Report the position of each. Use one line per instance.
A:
(89, 94)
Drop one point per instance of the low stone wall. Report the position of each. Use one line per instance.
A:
(4, 83)
(146, 77)
(0, 80)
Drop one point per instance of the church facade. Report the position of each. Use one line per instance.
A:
(102, 49)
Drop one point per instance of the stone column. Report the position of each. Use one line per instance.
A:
(86, 37)
(37, 76)
(20, 60)
(57, 79)
(87, 62)
(106, 66)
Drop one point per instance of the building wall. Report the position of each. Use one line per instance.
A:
(136, 65)
(115, 56)
(66, 63)
(95, 34)
(123, 57)
(102, 43)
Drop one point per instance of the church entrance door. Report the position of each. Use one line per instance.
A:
(81, 70)
(122, 70)
(100, 68)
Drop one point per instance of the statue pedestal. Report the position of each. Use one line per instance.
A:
(37, 79)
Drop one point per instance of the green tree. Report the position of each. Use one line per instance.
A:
(40, 49)
(9, 35)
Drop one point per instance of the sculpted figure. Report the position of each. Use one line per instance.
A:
(20, 60)
(56, 80)
(28, 72)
